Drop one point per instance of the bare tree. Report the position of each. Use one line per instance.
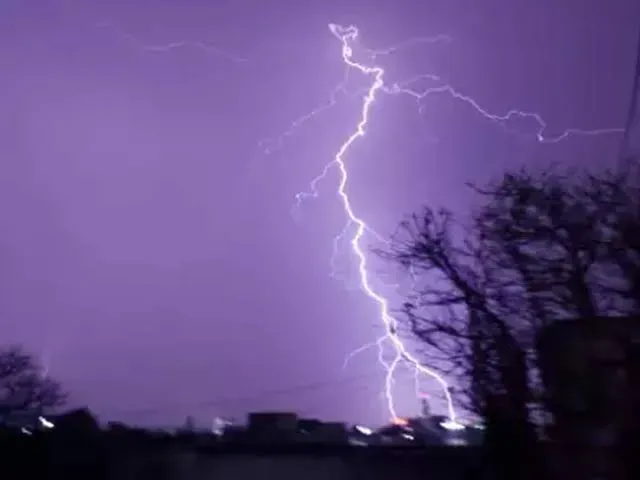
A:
(23, 388)
(457, 310)
(461, 310)
(541, 247)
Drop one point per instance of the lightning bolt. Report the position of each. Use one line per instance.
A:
(205, 47)
(355, 224)
(540, 135)
(405, 44)
(348, 37)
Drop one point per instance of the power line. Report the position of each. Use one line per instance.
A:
(218, 401)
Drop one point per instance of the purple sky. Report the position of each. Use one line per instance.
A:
(148, 246)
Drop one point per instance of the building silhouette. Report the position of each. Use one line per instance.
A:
(591, 374)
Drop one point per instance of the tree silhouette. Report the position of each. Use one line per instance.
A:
(540, 248)
(23, 388)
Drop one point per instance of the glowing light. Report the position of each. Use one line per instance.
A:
(401, 422)
(45, 423)
(364, 430)
(452, 426)
(356, 224)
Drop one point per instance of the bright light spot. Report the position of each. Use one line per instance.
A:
(218, 425)
(407, 436)
(25, 431)
(403, 422)
(364, 430)
(452, 426)
(45, 423)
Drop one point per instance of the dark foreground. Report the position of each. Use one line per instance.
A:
(130, 454)
(110, 455)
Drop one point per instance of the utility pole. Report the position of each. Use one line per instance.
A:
(631, 140)
(426, 407)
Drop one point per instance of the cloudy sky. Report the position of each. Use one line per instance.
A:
(151, 250)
